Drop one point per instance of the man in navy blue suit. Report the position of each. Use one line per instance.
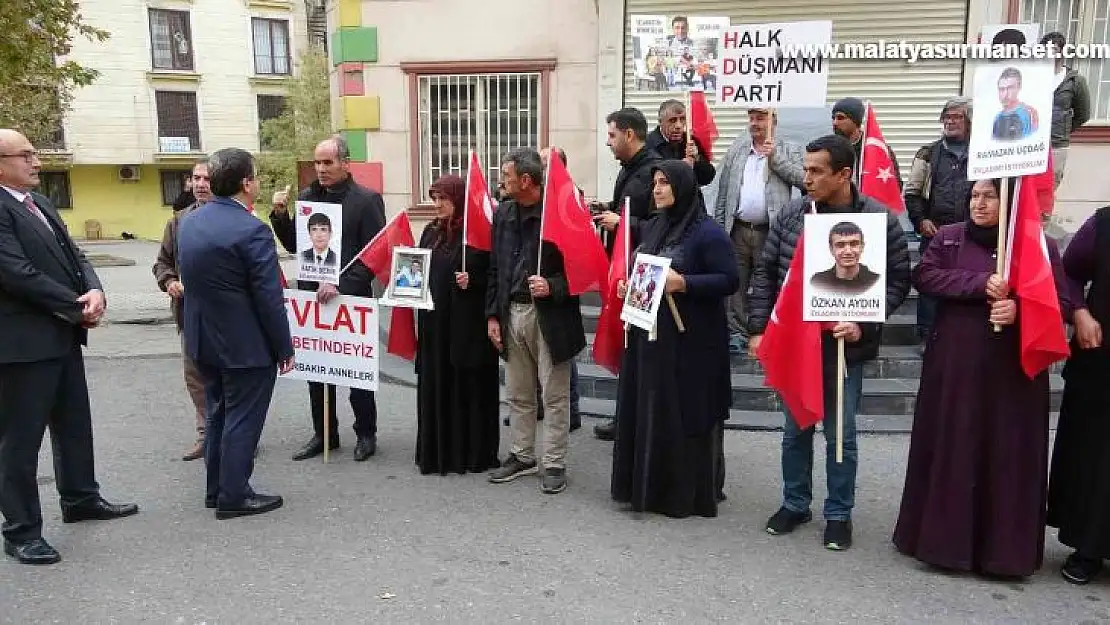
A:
(236, 329)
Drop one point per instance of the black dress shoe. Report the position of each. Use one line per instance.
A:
(606, 431)
(365, 447)
(314, 448)
(36, 551)
(100, 510)
(258, 504)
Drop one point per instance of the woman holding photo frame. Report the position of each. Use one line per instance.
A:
(456, 365)
(675, 389)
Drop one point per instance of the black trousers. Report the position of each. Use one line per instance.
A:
(362, 404)
(35, 396)
(238, 400)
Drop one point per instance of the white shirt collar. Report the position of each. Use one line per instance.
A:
(18, 195)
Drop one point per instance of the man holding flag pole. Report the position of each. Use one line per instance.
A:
(811, 349)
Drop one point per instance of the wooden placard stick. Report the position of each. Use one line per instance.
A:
(1003, 218)
(841, 365)
(327, 421)
(674, 313)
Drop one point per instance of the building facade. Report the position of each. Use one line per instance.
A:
(420, 84)
(178, 80)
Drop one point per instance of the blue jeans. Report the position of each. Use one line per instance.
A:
(797, 455)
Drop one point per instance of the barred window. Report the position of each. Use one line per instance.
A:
(55, 185)
(269, 107)
(171, 42)
(177, 116)
(172, 182)
(271, 46)
(1080, 21)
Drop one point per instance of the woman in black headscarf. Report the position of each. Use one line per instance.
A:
(976, 478)
(456, 365)
(675, 390)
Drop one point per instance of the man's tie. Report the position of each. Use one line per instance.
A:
(31, 206)
(319, 260)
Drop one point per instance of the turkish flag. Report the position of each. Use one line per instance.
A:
(478, 216)
(1032, 280)
(378, 256)
(608, 346)
(1044, 184)
(702, 125)
(877, 178)
(790, 350)
(567, 224)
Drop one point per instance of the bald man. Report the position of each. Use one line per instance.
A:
(50, 297)
(363, 218)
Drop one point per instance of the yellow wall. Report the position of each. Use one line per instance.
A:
(134, 207)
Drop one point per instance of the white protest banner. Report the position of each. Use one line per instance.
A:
(1012, 119)
(774, 65)
(335, 343)
(646, 284)
(319, 241)
(845, 267)
(676, 53)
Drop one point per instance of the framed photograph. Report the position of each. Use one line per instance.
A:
(845, 267)
(319, 241)
(646, 283)
(408, 279)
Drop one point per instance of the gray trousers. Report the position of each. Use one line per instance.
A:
(747, 242)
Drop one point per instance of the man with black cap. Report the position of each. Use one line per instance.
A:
(848, 115)
(937, 188)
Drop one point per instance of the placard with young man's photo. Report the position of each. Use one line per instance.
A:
(319, 236)
(408, 279)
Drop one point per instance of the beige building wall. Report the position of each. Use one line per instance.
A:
(459, 31)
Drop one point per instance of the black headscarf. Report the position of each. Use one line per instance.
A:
(669, 225)
(986, 236)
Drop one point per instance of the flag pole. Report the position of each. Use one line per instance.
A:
(466, 212)
(1003, 219)
(689, 119)
(863, 141)
(840, 373)
(627, 251)
(543, 210)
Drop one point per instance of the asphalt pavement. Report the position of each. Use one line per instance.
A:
(377, 542)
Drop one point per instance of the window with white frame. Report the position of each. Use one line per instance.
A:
(271, 46)
(1080, 21)
(171, 42)
(488, 113)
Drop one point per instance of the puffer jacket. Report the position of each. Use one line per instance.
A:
(1071, 108)
(782, 240)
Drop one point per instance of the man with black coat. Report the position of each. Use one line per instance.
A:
(670, 141)
(363, 218)
(828, 180)
(534, 322)
(628, 142)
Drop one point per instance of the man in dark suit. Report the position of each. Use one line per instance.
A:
(363, 218)
(236, 329)
(49, 298)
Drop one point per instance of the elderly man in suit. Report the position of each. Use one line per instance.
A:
(236, 330)
(49, 298)
(757, 178)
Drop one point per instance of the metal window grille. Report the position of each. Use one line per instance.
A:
(1081, 21)
(171, 41)
(271, 46)
(177, 116)
(269, 107)
(172, 182)
(55, 185)
(488, 113)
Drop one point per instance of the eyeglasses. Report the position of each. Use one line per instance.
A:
(29, 156)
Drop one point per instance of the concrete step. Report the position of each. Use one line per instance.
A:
(881, 396)
(899, 329)
(772, 421)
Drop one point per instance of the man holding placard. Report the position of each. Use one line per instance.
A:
(362, 217)
(831, 195)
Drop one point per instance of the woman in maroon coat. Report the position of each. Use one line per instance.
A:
(977, 473)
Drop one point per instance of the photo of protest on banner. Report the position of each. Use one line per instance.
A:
(676, 52)
(1012, 119)
(408, 279)
(845, 257)
(765, 65)
(335, 343)
(319, 236)
(645, 290)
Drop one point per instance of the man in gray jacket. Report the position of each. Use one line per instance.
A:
(1071, 106)
(756, 179)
